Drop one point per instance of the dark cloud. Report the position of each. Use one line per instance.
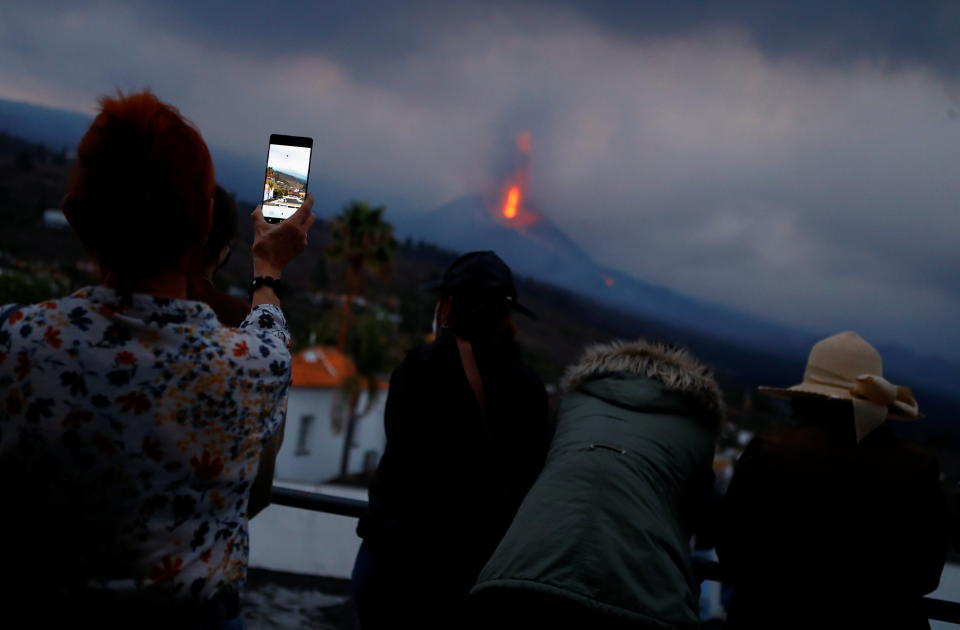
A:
(370, 36)
(887, 31)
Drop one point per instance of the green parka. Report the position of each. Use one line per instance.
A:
(609, 520)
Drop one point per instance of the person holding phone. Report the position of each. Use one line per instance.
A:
(136, 432)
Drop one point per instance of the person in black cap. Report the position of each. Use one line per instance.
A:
(467, 431)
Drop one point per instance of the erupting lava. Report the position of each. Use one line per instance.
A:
(512, 208)
(511, 203)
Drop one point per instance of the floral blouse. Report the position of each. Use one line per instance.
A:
(145, 418)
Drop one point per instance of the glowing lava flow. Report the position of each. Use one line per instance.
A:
(513, 209)
(511, 203)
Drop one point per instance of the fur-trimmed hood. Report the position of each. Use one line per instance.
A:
(675, 368)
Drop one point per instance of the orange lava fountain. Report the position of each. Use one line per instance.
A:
(512, 208)
(511, 203)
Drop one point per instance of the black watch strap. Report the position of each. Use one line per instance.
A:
(266, 281)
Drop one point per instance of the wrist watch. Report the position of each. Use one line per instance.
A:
(266, 281)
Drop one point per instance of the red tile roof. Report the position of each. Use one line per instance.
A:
(322, 366)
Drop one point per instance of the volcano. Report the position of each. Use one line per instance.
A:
(509, 223)
(542, 251)
(538, 249)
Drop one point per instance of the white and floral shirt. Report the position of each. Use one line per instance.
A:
(143, 419)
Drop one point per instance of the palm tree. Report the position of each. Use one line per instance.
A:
(371, 345)
(364, 242)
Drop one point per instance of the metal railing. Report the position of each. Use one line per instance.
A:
(936, 609)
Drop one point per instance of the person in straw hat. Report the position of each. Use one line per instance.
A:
(835, 520)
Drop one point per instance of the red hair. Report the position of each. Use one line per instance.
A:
(139, 194)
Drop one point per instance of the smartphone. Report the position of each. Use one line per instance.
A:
(288, 170)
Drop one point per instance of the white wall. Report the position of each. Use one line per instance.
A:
(301, 541)
(320, 460)
(369, 435)
(949, 590)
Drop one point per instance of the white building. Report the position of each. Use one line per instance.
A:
(54, 218)
(316, 421)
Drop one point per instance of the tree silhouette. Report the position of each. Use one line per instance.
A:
(364, 242)
(371, 345)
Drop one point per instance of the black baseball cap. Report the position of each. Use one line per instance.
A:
(482, 271)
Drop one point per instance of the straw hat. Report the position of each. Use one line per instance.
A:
(846, 367)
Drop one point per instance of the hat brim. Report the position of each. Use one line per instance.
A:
(810, 390)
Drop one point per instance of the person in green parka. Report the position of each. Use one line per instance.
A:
(602, 539)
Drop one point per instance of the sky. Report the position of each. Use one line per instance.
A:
(288, 159)
(796, 160)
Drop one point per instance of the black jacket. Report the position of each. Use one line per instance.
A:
(817, 530)
(447, 487)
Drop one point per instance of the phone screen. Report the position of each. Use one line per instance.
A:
(288, 169)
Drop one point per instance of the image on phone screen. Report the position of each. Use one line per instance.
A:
(288, 169)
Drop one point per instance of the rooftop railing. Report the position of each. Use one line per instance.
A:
(936, 609)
